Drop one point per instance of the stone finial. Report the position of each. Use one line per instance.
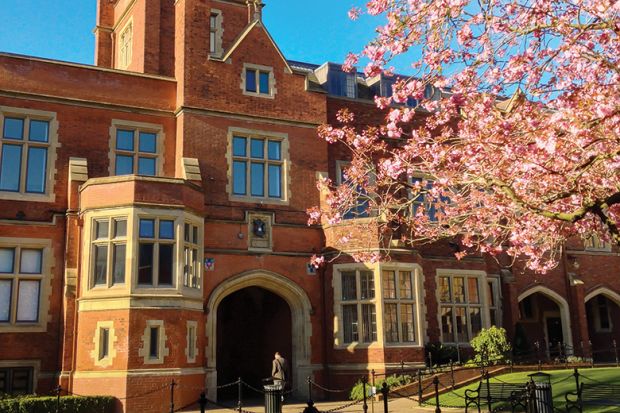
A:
(255, 10)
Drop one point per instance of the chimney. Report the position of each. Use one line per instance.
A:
(255, 10)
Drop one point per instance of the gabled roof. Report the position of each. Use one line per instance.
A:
(256, 23)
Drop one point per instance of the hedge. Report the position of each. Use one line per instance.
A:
(68, 404)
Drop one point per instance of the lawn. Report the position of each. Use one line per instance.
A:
(562, 382)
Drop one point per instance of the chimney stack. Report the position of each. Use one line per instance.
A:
(255, 10)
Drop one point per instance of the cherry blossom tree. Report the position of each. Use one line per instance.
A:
(516, 150)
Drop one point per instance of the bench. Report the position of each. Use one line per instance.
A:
(593, 395)
(514, 394)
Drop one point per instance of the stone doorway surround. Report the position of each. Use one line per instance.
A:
(562, 305)
(301, 328)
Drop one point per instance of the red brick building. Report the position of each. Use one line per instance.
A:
(153, 224)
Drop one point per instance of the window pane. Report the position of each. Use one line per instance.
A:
(459, 289)
(212, 42)
(493, 316)
(124, 140)
(264, 82)
(367, 283)
(147, 142)
(239, 178)
(154, 343)
(239, 146)
(120, 228)
(124, 165)
(13, 128)
(104, 337)
(195, 235)
(166, 229)
(274, 150)
(257, 175)
(191, 342)
(195, 269)
(389, 284)
(405, 285)
(147, 228)
(349, 323)
(5, 301)
(7, 258)
(145, 264)
(21, 382)
(391, 323)
(165, 264)
(186, 266)
(490, 294)
(369, 323)
(475, 321)
(102, 229)
(406, 313)
(31, 261)
(461, 325)
(186, 232)
(472, 289)
(447, 327)
(36, 170)
(250, 80)
(275, 181)
(257, 148)
(119, 264)
(349, 288)
(28, 301)
(101, 264)
(10, 168)
(39, 131)
(147, 166)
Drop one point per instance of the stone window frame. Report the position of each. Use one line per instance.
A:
(259, 68)
(596, 244)
(45, 286)
(35, 365)
(163, 351)
(191, 342)
(400, 301)
(176, 242)
(52, 145)
(110, 242)
(286, 166)
(341, 165)
(125, 49)
(482, 278)
(216, 34)
(137, 127)
(95, 354)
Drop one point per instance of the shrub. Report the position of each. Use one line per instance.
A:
(357, 392)
(68, 404)
(490, 346)
(441, 354)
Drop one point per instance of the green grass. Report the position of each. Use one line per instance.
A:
(562, 382)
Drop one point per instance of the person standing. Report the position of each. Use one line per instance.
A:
(279, 370)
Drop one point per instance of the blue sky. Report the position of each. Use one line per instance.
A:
(315, 31)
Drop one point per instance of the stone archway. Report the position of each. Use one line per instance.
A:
(301, 327)
(603, 321)
(562, 305)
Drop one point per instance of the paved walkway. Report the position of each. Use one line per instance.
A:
(400, 405)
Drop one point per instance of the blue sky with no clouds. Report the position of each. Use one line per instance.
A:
(312, 31)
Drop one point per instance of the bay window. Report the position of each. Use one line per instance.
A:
(191, 257)
(399, 306)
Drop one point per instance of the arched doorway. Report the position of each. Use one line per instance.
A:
(545, 319)
(253, 323)
(603, 315)
(301, 326)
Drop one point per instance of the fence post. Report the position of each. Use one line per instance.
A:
(58, 391)
(202, 402)
(239, 394)
(616, 352)
(452, 373)
(364, 382)
(436, 383)
(373, 391)
(419, 387)
(310, 402)
(576, 374)
(385, 391)
(489, 400)
(172, 384)
(402, 367)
